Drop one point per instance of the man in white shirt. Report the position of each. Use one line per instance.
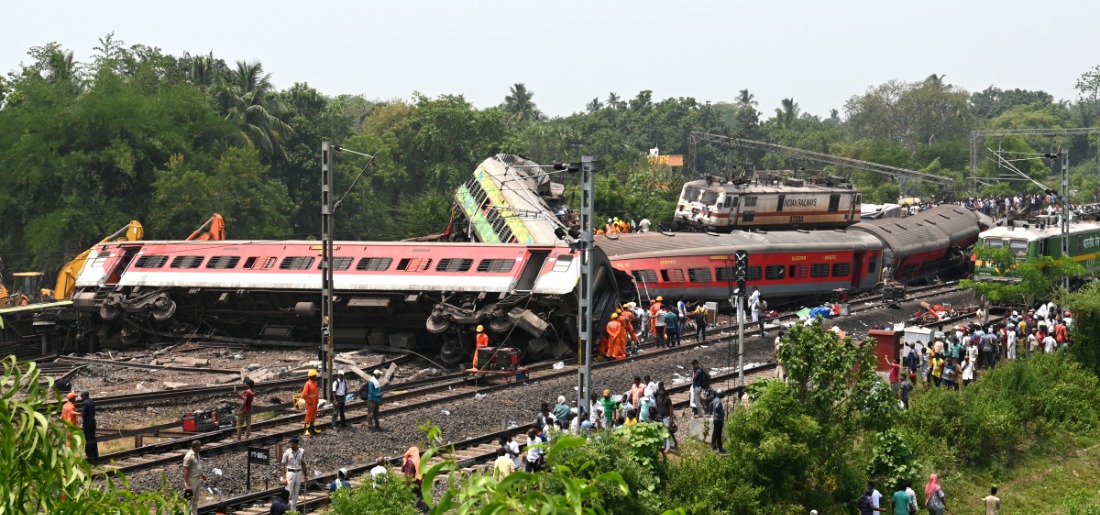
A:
(1049, 344)
(378, 471)
(294, 465)
(754, 304)
(339, 396)
(193, 475)
(876, 497)
(644, 225)
(515, 452)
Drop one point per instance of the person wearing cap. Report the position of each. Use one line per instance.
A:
(193, 476)
(654, 309)
(294, 466)
(339, 396)
(374, 398)
(616, 338)
(341, 481)
(482, 342)
(88, 424)
(311, 394)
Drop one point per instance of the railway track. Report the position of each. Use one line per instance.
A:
(472, 455)
(402, 398)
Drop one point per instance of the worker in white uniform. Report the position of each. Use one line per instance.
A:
(294, 466)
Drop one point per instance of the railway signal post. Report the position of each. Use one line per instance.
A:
(741, 273)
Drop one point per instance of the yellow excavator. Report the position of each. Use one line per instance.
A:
(66, 278)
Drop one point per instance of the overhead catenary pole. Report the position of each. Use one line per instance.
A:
(1064, 155)
(584, 313)
(327, 237)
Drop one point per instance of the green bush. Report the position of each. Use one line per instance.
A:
(633, 452)
(393, 495)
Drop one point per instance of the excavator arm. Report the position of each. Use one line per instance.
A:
(217, 229)
(66, 278)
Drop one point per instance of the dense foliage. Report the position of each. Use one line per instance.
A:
(140, 134)
(42, 467)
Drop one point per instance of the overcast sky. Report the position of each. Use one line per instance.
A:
(569, 52)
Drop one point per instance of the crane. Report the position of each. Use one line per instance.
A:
(748, 144)
(217, 229)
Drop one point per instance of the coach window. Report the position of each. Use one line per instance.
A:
(296, 263)
(454, 265)
(819, 270)
(724, 274)
(223, 262)
(151, 261)
(748, 217)
(498, 265)
(414, 264)
(373, 264)
(834, 203)
(754, 273)
(729, 201)
(774, 272)
(672, 275)
(798, 271)
(871, 266)
(750, 201)
(842, 269)
(699, 275)
(645, 276)
(186, 262)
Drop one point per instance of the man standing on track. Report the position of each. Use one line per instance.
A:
(312, 395)
(193, 476)
(87, 421)
(339, 396)
(482, 342)
(244, 413)
(294, 466)
(616, 338)
(374, 398)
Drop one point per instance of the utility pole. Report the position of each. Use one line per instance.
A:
(587, 168)
(327, 237)
(1063, 162)
(742, 274)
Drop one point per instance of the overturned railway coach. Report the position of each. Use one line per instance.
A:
(421, 296)
(800, 264)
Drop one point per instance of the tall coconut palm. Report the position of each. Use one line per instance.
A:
(245, 98)
(614, 102)
(520, 105)
(746, 99)
(788, 113)
(594, 105)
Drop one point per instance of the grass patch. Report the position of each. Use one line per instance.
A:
(1063, 476)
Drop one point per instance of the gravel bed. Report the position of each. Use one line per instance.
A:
(467, 417)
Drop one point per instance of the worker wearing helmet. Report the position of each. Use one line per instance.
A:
(627, 319)
(654, 307)
(311, 394)
(482, 342)
(616, 338)
(68, 411)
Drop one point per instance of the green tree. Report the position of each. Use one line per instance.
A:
(253, 205)
(246, 97)
(787, 112)
(994, 101)
(913, 113)
(520, 104)
(1085, 333)
(1025, 282)
(1088, 99)
(44, 469)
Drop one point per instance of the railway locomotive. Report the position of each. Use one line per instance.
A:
(409, 295)
(1030, 240)
(800, 264)
(770, 201)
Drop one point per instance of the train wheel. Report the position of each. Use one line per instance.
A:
(450, 353)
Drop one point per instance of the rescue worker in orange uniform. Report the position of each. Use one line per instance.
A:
(654, 307)
(68, 410)
(616, 338)
(627, 319)
(311, 394)
(482, 342)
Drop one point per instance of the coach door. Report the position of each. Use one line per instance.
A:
(855, 204)
(531, 270)
(834, 203)
(859, 268)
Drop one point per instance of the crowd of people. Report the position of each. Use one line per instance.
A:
(630, 325)
(956, 355)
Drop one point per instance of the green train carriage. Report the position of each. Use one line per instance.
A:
(1030, 241)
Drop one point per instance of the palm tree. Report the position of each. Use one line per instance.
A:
(614, 102)
(788, 112)
(245, 97)
(746, 99)
(520, 105)
(594, 105)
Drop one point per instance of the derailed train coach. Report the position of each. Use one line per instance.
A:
(801, 264)
(426, 297)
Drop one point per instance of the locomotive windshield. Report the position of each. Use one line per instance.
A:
(1018, 248)
(709, 197)
(691, 194)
